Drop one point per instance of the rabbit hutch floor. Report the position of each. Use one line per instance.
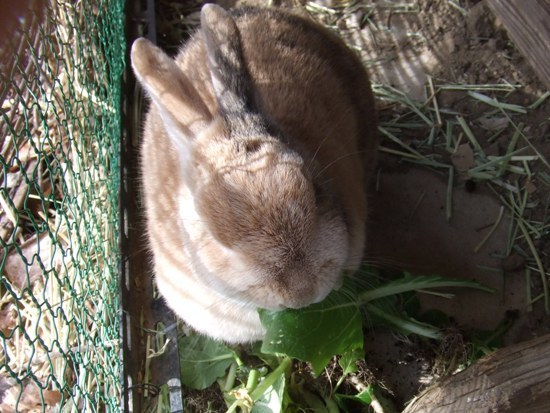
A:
(454, 61)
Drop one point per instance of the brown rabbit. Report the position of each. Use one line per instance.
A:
(256, 151)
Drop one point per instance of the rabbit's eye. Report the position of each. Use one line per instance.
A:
(249, 146)
(326, 199)
(252, 146)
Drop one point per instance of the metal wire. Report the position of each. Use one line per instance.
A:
(60, 92)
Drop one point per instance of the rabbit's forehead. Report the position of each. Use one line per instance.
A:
(231, 158)
(282, 185)
(259, 207)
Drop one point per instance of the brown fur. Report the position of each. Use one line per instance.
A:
(254, 195)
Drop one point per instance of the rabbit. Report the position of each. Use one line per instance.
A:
(257, 145)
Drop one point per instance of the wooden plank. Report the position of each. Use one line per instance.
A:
(515, 379)
(528, 25)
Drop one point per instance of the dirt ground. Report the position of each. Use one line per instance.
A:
(408, 225)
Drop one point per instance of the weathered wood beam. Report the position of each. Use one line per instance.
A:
(528, 25)
(515, 379)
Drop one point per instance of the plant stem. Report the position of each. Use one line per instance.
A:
(271, 378)
(252, 381)
(230, 381)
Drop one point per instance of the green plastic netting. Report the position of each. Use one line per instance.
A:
(60, 126)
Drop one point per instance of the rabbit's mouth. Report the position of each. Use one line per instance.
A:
(303, 292)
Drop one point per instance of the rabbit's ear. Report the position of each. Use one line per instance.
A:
(230, 77)
(181, 107)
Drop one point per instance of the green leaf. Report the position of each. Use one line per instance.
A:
(365, 397)
(333, 327)
(348, 361)
(203, 360)
(417, 282)
(385, 314)
(315, 333)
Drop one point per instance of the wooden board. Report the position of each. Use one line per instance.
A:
(528, 25)
(515, 379)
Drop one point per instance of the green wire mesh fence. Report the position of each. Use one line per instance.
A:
(60, 125)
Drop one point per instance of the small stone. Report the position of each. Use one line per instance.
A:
(530, 186)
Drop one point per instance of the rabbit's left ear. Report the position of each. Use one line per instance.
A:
(183, 112)
(179, 103)
(230, 77)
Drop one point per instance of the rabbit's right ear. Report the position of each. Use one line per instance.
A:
(181, 107)
(230, 77)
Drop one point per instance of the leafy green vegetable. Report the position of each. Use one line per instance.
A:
(415, 283)
(365, 397)
(371, 395)
(316, 333)
(383, 313)
(268, 396)
(333, 326)
(271, 378)
(203, 360)
(271, 400)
